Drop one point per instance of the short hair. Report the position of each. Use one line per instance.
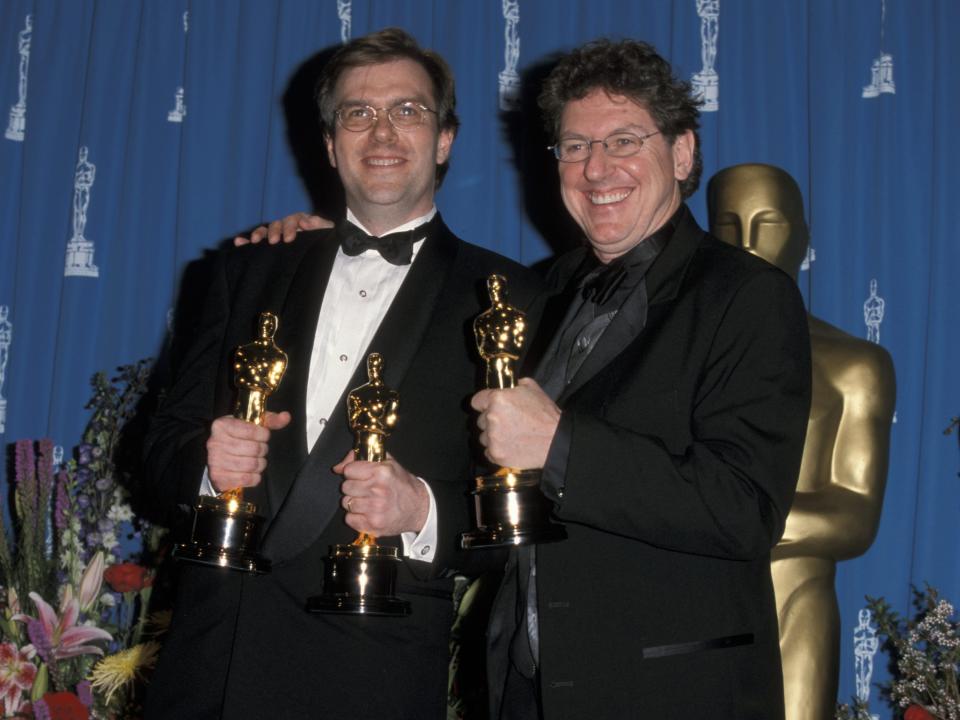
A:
(381, 47)
(635, 70)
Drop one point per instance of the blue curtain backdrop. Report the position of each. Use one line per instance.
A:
(137, 135)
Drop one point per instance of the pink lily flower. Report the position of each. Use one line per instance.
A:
(55, 638)
(17, 674)
(91, 581)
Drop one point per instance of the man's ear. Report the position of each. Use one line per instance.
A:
(683, 147)
(331, 156)
(444, 144)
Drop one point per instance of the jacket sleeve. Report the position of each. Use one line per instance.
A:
(710, 465)
(175, 447)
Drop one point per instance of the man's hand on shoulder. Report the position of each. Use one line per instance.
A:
(285, 229)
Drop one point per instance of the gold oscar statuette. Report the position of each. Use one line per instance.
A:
(360, 578)
(508, 504)
(226, 528)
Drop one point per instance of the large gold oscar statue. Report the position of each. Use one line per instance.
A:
(226, 528)
(361, 578)
(508, 504)
(836, 510)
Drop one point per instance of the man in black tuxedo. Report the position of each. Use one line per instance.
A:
(243, 646)
(667, 414)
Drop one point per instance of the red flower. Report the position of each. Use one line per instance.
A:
(917, 712)
(61, 706)
(127, 577)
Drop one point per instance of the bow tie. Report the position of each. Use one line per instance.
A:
(396, 248)
(602, 282)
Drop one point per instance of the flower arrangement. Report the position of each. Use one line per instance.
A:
(925, 652)
(75, 634)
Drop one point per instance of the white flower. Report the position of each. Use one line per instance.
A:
(120, 511)
(109, 541)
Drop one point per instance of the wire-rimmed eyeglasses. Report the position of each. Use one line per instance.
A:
(618, 144)
(403, 116)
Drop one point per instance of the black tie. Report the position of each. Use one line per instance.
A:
(396, 248)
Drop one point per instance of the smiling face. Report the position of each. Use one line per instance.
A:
(388, 175)
(618, 202)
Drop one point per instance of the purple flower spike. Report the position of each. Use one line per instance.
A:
(25, 463)
(61, 503)
(83, 454)
(45, 466)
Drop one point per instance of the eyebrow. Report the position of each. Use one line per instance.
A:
(637, 129)
(390, 103)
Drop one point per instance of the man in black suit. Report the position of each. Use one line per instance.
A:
(667, 414)
(243, 646)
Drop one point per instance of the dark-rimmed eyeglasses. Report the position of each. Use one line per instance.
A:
(403, 116)
(618, 144)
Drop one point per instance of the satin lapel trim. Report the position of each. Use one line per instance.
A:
(314, 496)
(625, 327)
(401, 333)
(555, 310)
(298, 322)
(666, 275)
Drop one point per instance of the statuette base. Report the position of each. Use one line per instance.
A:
(226, 533)
(510, 510)
(360, 580)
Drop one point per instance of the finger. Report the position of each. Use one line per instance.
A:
(258, 234)
(347, 459)
(276, 421)
(245, 459)
(274, 232)
(223, 480)
(314, 222)
(291, 226)
(240, 240)
(481, 400)
(230, 428)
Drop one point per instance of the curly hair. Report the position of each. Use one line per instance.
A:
(633, 69)
(385, 46)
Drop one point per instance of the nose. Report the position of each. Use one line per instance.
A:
(383, 129)
(748, 233)
(596, 166)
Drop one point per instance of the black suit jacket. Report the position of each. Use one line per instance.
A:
(243, 646)
(685, 436)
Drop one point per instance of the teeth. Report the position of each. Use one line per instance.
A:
(608, 197)
(383, 161)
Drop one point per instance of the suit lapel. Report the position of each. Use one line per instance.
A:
(314, 493)
(625, 327)
(555, 310)
(661, 285)
(298, 322)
